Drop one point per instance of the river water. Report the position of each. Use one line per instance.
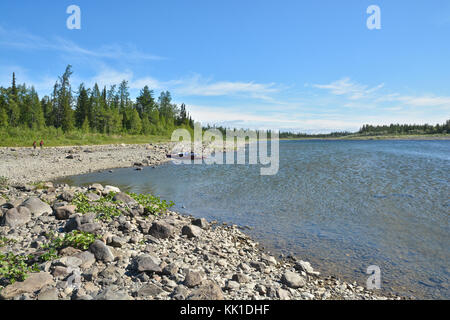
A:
(342, 205)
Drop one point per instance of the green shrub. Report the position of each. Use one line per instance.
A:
(75, 239)
(105, 208)
(15, 267)
(153, 205)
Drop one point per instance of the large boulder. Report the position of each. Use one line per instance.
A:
(101, 251)
(37, 207)
(161, 230)
(16, 217)
(34, 282)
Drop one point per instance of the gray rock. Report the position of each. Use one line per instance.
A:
(70, 262)
(16, 217)
(37, 207)
(171, 269)
(202, 223)
(149, 290)
(93, 196)
(147, 263)
(48, 294)
(72, 224)
(240, 278)
(90, 227)
(117, 242)
(34, 282)
(88, 218)
(161, 230)
(125, 198)
(232, 285)
(108, 189)
(293, 280)
(306, 267)
(283, 294)
(180, 293)
(69, 251)
(67, 196)
(193, 278)
(261, 289)
(96, 187)
(87, 259)
(101, 251)
(64, 212)
(192, 231)
(260, 266)
(60, 272)
(269, 260)
(208, 291)
(111, 293)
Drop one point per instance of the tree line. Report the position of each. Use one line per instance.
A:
(403, 129)
(97, 110)
(369, 130)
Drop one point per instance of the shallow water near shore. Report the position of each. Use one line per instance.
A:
(342, 205)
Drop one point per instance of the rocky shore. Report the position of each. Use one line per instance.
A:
(98, 243)
(25, 165)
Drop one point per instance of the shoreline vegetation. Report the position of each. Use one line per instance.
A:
(118, 246)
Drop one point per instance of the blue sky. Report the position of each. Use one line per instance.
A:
(310, 66)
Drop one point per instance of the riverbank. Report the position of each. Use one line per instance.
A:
(26, 165)
(143, 251)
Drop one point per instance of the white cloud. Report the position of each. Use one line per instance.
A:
(26, 41)
(198, 86)
(348, 88)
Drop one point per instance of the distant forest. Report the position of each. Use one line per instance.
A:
(97, 110)
(369, 130)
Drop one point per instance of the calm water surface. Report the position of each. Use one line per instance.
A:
(343, 205)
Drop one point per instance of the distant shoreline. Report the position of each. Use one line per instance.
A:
(368, 138)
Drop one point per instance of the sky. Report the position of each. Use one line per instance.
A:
(305, 66)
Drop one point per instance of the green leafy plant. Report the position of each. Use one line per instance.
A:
(105, 208)
(76, 239)
(5, 241)
(50, 255)
(152, 205)
(15, 267)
